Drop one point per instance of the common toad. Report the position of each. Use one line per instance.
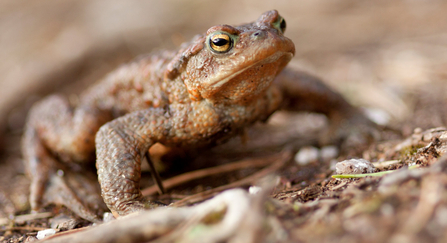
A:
(211, 89)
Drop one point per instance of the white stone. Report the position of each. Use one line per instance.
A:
(306, 155)
(107, 217)
(328, 152)
(254, 189)
(378, 116)
(44, 233)
(354, 166)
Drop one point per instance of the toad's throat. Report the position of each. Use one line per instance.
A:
(224, 78)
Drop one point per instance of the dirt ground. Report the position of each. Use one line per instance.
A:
(387, 57)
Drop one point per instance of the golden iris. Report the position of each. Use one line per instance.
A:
(221, 42)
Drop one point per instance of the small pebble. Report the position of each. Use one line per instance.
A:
(44, 233)
(417, 130)
(254, 189)
(328, 153)
(307, 155)
(378, 116)
(29, 239)
(107, 217)
(63, 222)
(354, 166)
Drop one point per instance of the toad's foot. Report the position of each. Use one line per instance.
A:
(83, 201)
(349, 131)
(64, 187)
(52, 183)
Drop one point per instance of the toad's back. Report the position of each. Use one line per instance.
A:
(137, 86)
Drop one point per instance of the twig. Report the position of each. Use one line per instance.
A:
(155, 175)
(386, 163)
(27, 228)
(284, 157)
(25, 217)
(339, 186)
(68, 232)
(193, 175)
(431, 192)
(161, 223)
(171, 196)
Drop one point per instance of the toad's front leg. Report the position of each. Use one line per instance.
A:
(120, 147)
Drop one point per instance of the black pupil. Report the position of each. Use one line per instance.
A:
(220, 41)
(283, 25)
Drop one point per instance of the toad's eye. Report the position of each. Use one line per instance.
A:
(280, 24)
(221, 42)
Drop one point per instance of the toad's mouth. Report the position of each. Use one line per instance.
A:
(224, 76)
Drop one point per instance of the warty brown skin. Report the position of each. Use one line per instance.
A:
(191, 98)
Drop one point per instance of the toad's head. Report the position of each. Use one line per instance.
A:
(234, 64)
